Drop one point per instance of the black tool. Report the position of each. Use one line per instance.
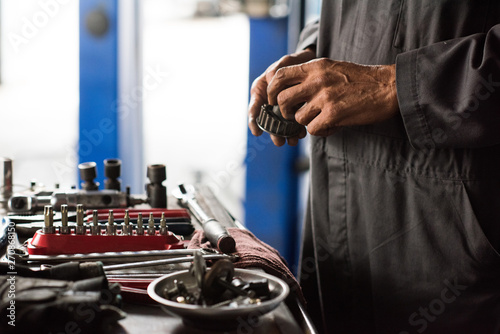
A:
(88, 172)
(112, 171)
(214, 231)
(156, 191)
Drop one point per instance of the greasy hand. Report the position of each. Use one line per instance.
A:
(258, 93)
(324, 94)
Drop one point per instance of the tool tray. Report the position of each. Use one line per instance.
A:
(56, 243)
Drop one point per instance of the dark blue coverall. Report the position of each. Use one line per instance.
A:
(402, 233)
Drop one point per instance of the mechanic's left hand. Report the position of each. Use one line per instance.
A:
(324, 94)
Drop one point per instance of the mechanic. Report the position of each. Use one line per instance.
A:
(402, 99)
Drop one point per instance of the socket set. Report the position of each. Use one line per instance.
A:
(133, 234)
(33, 201)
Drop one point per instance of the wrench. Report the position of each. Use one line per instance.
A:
(214, 231)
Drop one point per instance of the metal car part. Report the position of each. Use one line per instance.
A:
(272, 121)
(198, 268)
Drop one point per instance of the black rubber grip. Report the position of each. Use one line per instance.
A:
(219, 237)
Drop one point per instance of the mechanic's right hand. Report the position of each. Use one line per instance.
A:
(258, 93)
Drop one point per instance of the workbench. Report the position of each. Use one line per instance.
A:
(289, 317)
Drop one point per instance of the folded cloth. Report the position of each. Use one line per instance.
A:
(253, 253)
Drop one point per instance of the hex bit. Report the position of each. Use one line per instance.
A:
(64, 220)
(126, 229)
(140, 228)
(111, 228)
(151, 225)
(48, 218)
(80, 228)
(96, 229)
(163, 224)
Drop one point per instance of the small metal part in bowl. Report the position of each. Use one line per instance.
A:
(166, 290)
(271, 121)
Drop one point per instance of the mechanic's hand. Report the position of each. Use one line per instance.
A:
(258, 93)
(324, 94)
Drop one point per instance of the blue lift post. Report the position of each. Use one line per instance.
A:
(271, 197)
(98, 86)
(111, 88)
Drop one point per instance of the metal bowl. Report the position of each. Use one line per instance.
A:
(193, 314)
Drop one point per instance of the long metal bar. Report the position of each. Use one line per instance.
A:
(109, 256)
(142, 264)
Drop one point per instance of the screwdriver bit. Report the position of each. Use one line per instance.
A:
(80, 229)
(126, 229)
(64, 219)
(48, 217)
(96, 230)
(163, 225)
(111, 228)
(140, 228)
(151, 225)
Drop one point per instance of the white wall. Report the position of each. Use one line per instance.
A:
(39, 90)
(195, 121)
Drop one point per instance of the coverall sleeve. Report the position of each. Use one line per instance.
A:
(308, 36)
(449, 92)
